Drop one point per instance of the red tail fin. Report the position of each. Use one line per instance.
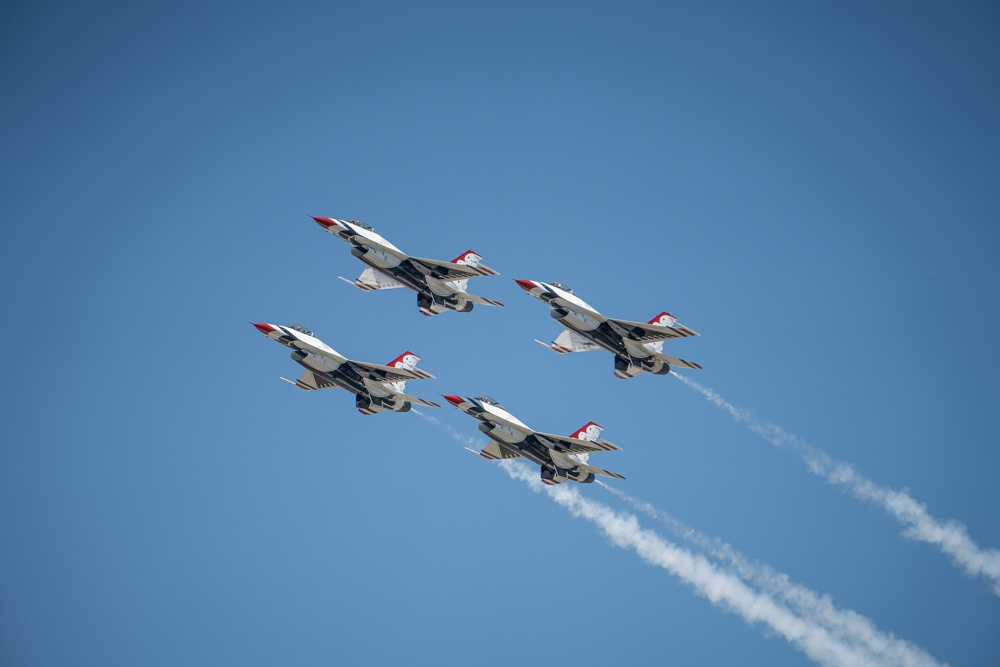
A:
(469, 257)
(664, 319)
(407, 360)
(589, 432)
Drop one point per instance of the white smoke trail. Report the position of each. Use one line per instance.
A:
(950, 536)
(720, 588)
(843, 624)
(819, 639)
(471, 442)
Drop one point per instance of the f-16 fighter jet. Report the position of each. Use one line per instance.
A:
(375, 387)
(561, 458)
(638, 347)
(440, 286)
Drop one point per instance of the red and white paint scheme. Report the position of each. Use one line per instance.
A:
(440, 286)
(637, 346)
(376, 388)
(561, 458)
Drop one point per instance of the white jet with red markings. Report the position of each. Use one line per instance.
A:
(637, 346)
(376, 388)
(562, 458)
(440, 286)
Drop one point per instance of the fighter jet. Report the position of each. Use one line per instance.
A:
(561, 458)
(440, 286)
(375, 387)
(638, 347)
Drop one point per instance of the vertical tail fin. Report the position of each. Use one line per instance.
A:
(664, 319)
(469, 258)
(407, 361)
(590, 432)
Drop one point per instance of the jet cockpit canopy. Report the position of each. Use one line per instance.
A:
(362, 224)
(563, 286)
(489, 401)
(301, 329)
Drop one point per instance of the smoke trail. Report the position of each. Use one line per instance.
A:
(950, 536)
(720, 588)
(843, 624)
(470, 442)
(819, 638)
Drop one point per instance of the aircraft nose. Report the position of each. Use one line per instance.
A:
(526, 285)
(325, 223)
(265, 329)
(454, 400)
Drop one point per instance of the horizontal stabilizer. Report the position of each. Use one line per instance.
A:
(600, 471)
(481, 299)
(679, 363)
(418, 401)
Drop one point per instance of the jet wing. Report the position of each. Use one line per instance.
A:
(575, 445)
(496, 450)
(449, 270)
(570, 341)
(647, 333)
(387, 373)
(310, 381)
(370, 279)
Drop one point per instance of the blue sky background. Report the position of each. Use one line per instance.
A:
(811, 186)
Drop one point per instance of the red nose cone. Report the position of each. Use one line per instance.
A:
(454, 400)
(325, 223)
(526, 285)
(263, 328)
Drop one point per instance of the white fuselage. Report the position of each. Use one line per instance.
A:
(512, 431)
(585, 320)
(375, 254)
(313, 354)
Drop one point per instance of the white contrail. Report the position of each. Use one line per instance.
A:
(823, 642)
(950, 536)
(844, 624)
(721, 588)
(471, 442)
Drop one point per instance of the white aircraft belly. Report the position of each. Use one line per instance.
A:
(581, 321)
(506, 434)
(320, 362)
(636, 348)
(380, 259)
(440, 287)
(563, 460)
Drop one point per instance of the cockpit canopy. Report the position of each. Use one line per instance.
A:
(301, 329)
(563, 286)
(362, 224)
(488, 401)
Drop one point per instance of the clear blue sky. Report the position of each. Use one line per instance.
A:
(810, 186)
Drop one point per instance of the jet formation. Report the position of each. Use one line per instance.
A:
(440, 286)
